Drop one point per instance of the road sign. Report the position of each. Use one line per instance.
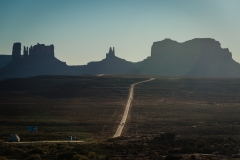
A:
(32, 128)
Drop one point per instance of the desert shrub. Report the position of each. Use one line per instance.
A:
(206, 150)
(201, 143)
(208, 158)
(102, 157)
(52, 150)
(36, 151)
(61, 146)
(77, 157)
(80, 157)
(18, 153)
(84, 158)
(173, 157)
(65, 155)
(92, 155)
(67, 148)
(226, 145)
(6, 152)
(175, 151)
(34, 157)
(193, 157)
(3, 158)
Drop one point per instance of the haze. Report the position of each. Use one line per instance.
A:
(83, 31)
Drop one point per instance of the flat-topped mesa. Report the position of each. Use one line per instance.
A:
(111, 53)
(40, 50)
(207, 46)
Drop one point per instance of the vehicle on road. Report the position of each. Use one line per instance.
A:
(69, 138)
(14, 138)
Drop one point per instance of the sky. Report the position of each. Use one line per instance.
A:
(83, 30)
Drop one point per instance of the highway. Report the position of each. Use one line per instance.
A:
(125, 114)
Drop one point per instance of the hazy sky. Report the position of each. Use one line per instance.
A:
(83, 30)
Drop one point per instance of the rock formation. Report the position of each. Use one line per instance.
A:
(25, 53)
(16, 52)
(39, 61)
(111, 65)
(111, 53)
(198, 57)
(41, 51)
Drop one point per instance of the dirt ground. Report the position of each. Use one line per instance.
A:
(186, 107)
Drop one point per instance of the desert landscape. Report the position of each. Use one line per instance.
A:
(119, 80)
(200, 113)
(62, 105)
(186, 106)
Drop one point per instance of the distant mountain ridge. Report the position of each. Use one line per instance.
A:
(201, 57)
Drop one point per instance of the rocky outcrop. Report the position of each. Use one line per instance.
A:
(198, 57)
(111, 65)
(25, 53)
(201, 57)
(41, 51)
(16, 52)
(39, 61)
(111, 53)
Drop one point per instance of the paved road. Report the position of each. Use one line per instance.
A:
(125, 114)
(34, 142)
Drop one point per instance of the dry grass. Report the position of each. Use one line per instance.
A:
(187, 107)
(62, 105)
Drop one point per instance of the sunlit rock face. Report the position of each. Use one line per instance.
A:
(197, 57)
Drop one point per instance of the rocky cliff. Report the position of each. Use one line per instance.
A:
(202, 57)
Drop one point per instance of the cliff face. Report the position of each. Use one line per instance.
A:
(197, 57)
(38, 60)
